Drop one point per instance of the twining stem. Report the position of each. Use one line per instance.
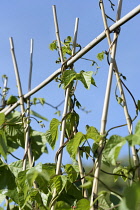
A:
(126, 112)
(97, 164)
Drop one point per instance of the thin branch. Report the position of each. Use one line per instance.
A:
(13, 155)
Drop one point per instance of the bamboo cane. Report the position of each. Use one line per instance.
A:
(97, 166)
(27, 142)
(3, 102)
(59, 161)
(81, 169)
(17, 76)
(126, 112)
(87, 48)
(20, 96)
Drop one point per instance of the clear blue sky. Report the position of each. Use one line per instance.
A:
(26, 19)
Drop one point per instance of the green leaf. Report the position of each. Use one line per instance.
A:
(72, 171)
(61, 205)
(100, 56)
(85, 78)
(68, 39)
(92, 133)
(83, 204)
(49, 139)
(36, 196)
(42, 101)
(66, 50)
(112, 149)
(71, 193)
(7, 182)
(137, 128)
(11, 100)
(58, 182)
(22, 185)
(132, 196)
(16, 167)
(32, 174)
(72, 121)
(3, 144)
(2, 118)
(86, 150)
(38, 115)
(120, 170)
(74, 143)
(54, 131)
(104, 199)
(68, 77)
(123, 205)
(53, 46)
(135, 138)
(41, 173)
(38, 143)
(48, 171)
(14, 128)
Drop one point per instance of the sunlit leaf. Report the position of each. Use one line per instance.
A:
(16, 167)
(72, 171)
(42, 101)
(11, 100)
(100, 56)
(74, 143)
(61, 205)
(58, 182)
(68, 77)
(93, 133)
(85, 78)
(52, 135)
(53, 46)
(112, 149)
(83, 204)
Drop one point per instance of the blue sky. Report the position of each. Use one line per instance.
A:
(26, 19)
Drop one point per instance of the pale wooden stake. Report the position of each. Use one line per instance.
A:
(126, 112)
(62, 136)
(97, 165)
